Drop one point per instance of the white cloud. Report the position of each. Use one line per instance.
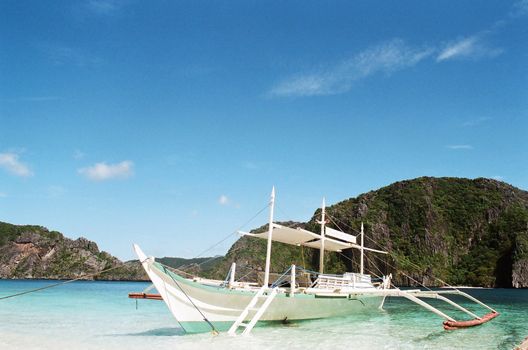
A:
(456, 147)
(3, 195)
(9, 161)
(462, 47)
(470, 47)
(387, 57)
(223, 200)
(103, 171)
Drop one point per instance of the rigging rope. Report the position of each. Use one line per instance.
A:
(223, 240)
(391, 254)
(403, 273)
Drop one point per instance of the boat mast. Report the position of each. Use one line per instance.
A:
(323, 223)
(270, 232)
(362, 235)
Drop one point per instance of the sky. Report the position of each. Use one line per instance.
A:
(166, 123)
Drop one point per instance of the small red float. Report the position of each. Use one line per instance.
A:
(452, 325)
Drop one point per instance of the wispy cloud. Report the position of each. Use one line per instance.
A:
(520, 8)
(392, 56)
(386, 58)
(64, 55)
(104, 7)
(459, 147)
(475, 122)
(470, 47)
(10, 162)
(223, 200)
(103, 171)
(3, 195)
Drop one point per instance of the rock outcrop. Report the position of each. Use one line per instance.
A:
(35, 252)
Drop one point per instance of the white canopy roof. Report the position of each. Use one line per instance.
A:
(340, 235)
(299, 236)
(330, 245)
(288, 235)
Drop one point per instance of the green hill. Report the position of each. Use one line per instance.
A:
(465, 232)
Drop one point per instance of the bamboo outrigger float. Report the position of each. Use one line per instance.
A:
(201, 305)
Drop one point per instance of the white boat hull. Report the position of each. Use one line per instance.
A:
(192, 302)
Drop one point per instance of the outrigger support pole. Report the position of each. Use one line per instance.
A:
(458, 292)
(425, 305)
(449, 301)
(449, 323)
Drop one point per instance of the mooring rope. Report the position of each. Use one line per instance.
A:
(60, 283)
(213, 329)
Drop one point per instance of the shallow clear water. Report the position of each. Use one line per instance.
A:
(98, 315)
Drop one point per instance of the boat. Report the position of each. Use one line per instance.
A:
(235, 306)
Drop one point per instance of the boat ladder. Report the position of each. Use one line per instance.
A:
(251, 307)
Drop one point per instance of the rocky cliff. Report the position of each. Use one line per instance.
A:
(35, 252)
(463, 231)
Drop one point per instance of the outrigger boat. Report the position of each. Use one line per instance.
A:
(201, 305)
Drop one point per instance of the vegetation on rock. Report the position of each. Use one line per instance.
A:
(462, 231)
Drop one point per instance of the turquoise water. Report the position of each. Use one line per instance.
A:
(98, 315)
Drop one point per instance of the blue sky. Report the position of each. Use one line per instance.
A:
(166, 123)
